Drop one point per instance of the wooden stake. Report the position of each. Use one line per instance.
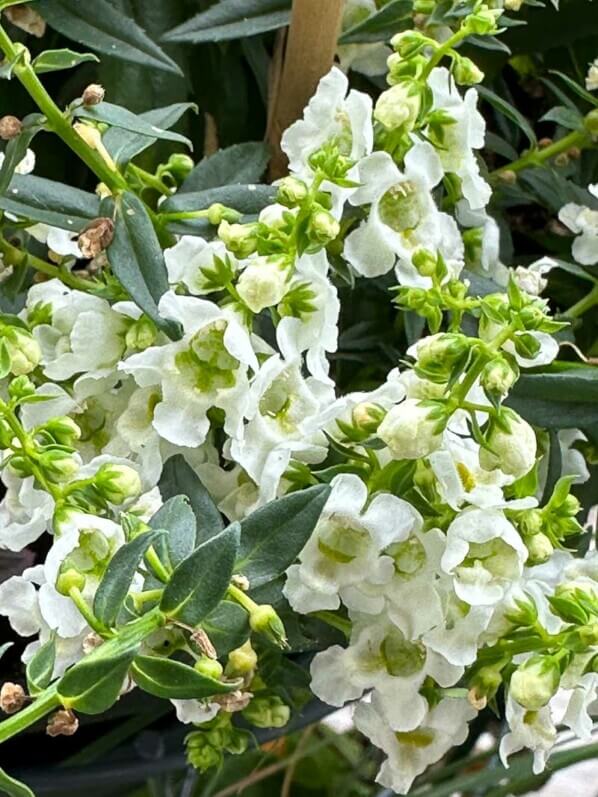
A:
(311, 45)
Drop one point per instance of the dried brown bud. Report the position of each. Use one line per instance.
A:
(10, 127)
(241, 582)
(25, 18)
(507, 176)
(12, 697)
(93, 94)
(91, 642)
(545, 142)
(96, 237)
(233, 701)
(561, 160)
(62, 723)
(201, 640)
(476, 700)
(574, 153)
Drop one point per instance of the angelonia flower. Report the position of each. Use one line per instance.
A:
(441, 549)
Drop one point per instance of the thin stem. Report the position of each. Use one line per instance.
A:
(241, 598)
(583, 305)
(13, 256)
(443, 50)
(38, 709)
(149, 180)
(536, 157)
(160, 570)
(85, 610)
(141, 598)
(334, 621)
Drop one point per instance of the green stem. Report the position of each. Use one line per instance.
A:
(13, 256)
(56, 119)
(38, 709)
(83, 607)
(140, 598)
(583, 305)
(156, 564)
(443, 50)
(240, 597)
(149, 180)
(536, 157)
(334, 621)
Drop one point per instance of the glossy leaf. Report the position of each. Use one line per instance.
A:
(232, 19)
(174, 680)
(116, 581)
(49, 202)
(273, 536)
(381, 25)
(103, 28)
(40, 668)
(137, 259)
(200, 581)
(94, 683)
(227, 626)
(123, 145)
(12, 787)
(240, 164)
(55, 60)
(178, 477)
(177, 517)
(116, 116)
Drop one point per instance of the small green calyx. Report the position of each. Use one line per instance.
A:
(264, 620)
(70, 579)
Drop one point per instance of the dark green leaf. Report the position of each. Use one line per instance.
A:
(94, 683)
(200, 582)
(509, 111)
(272, 537)
(116, 581)
(178, 518)
(382, 24)
(174, 680)
(240, 164)
(232, 19)
(55, 60)
(124, 145)
(227, 627)
(116, 116)
(16, 149)
(565, 117)
(576, 88)
(49, 202)
(179, 478)
(100, 26)
(12, 787)
(137, 259)
(41, 667)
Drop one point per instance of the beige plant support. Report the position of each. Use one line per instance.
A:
(310, 48)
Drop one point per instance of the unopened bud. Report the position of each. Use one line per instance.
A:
(408, 43)
(23, 350)
(141, 334)
(64, 430)
(410, 431)
(62, 723)
(21, 387)
(58, 465)
(498, 377)
(507, 176)
(70, 579)
(94, 94)
(267, 712)
(514, 452)
(540, 549)
(485, 684)
(425, 262)
(322, 227)
(241, 661)
(10, 127)
(96, 237)
(240, 239)
(368, 416)
(218, 213)
(291, 191)
(209, 667)
(591, 122)
(466, 72)
(535, 682)
(483, 21)
(398, 106)
(264, 620)
(179, 165)
(117, 483)
(12, 697)
(202, 755)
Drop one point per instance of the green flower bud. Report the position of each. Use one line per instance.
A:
(240, 239)
(58, 465)
(218, 213)
(21, 387)
(117, 483)
(322, 227)
(263, 283)
(398, 107)
(531, 522)
(201, 755)
(264, 620)
(23, 350)
(68, 580)
(408, 43)
(367, 417)
(498, 377)
(437, 354)
(486, 683)
(291, 192)
(141, 334)
(238, 741)
(241, 661)
(425, 262)
(64, 430)
(540, 549)
(466, 73)
(483, 21)
(20, 465)
(535, 682)
(411, 430)
(267, 712)
(591, 122)
(209, 667)
(424, 6)
(179, 165)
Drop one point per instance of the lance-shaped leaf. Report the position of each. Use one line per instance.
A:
(174, 680)
(506, 109)
(123, 145)
(41, 667)
(199, 583)
(48, 202)
(94, 683)
(116, 581)
(117, 116)
(12, 787)
(382, 24)
(241, 164)
(227, 626)
(178, 477)
(55, 60)
(178, 518)
(103, 28)
(232, 19)
(137, 259)
(16, 149)
(273, 536)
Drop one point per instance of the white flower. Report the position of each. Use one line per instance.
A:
(398, 107)
(531, 279)
(195, 711)
(573, 462)
(369, 59)
(532, 730)
(457, 636)
(84, 335)
(281, 404)
(410, 753)
(25, 166)
(346, 544)
(577, 715)
(583, 221)
(263, 282)
(466, 134)
(25, 512)
(548, 346)
(484, 553)
(409, 431)
(514, 452)
(206, 368)
(592, 76)
(402, 218)
(62, 242)
(190, 258)
(488, 248)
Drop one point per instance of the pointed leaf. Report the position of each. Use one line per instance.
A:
(55, 60)
(116, 581)
(48, 202)
(199, 583)
(103, 28)
(509, 111)
(116, 116)
(94, 683)
(174, 680)
(12, 787)
(272, 537)
(137, 259)
(178, 518)
(41, 667)
(241, 163)
(232, 19)
(178, 477)
(380, 25)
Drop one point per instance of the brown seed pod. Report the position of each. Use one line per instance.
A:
(62, 723)
(12, 697)
(10, 127)
(96, 237)
(93, 94)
